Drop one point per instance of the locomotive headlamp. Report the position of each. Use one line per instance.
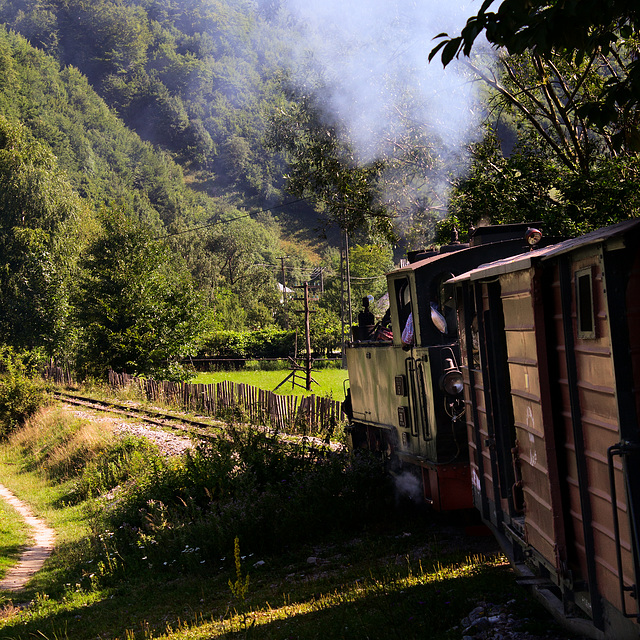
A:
(533, 236)
(451, 381)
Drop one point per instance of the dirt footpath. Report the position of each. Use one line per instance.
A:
(34, 556)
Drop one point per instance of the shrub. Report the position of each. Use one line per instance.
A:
(22, 391)
(328, 363)
(270, 494)
(268, 365)
(122, 462)
(265, 343)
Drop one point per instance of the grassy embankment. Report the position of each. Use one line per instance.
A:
(146, 544)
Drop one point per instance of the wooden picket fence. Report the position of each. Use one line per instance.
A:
(58, 375)
(311, 415)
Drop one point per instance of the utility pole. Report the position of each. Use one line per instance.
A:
(284, 291)
(346, 249)
(345, 300)
(307, 336)
(308, 363)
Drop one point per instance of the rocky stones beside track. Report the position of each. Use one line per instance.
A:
(488, 621)
(169, 444)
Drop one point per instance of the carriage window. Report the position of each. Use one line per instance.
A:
(443, 311)
(403, 297)
(584, 304)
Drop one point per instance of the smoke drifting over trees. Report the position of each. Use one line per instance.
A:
(373, 57)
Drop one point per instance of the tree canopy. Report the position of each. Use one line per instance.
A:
(581, 30)
(137, 305)
(39, 226)
(564, 85)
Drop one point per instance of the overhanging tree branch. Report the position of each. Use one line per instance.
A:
(528, 115)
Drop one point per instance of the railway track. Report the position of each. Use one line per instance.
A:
(198, 429)
(206, 431)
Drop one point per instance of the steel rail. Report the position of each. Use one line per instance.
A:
(157, 418)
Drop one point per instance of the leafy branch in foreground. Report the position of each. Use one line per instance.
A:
(578, 31)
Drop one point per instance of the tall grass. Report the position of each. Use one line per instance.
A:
(184, 512)
(61, 444)
(65, 447)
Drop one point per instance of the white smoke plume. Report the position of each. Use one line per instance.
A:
(372, 51)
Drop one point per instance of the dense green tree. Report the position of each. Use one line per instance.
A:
(529, 184)
(232, 259)
(574, 130)
(137, 306)
(104, 160)
(39, 219)
(324, 168)
(376, 190)
(368, 265)
(325, 331)
(499, 190)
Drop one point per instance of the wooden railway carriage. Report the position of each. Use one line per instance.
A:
(406, 403)
(550, 355)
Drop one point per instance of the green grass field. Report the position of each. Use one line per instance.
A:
(14, 534)
(382, 572)
(330, 382)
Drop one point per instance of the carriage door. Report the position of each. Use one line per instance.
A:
(500, 422)
(623, 288)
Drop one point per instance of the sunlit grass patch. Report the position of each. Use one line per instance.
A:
(61, 444)
(330, 381)
(408, 604)
(14, 535)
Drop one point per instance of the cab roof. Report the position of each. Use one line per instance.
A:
(525, 260)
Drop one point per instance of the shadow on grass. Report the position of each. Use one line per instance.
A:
(385, 608)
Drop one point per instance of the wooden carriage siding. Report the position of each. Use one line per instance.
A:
(313, 415)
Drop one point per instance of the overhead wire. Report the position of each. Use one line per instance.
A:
(219, 221)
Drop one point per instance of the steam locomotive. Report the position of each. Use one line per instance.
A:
(405, 401)
(519, 394)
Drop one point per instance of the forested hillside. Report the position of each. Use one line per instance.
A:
(102, 158)
(199, 79)
(70, 168)
(202, 150)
